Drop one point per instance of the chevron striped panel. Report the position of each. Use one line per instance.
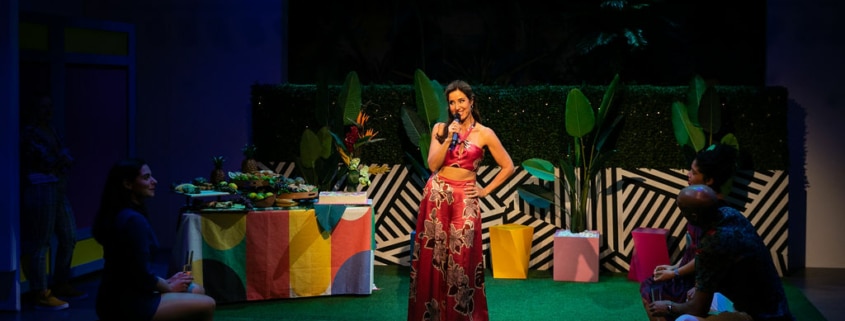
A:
(627, 199)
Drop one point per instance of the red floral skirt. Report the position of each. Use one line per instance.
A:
(447, 268)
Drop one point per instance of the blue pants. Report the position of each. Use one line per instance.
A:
(46, 211)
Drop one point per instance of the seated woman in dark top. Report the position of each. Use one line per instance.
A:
(129, 289)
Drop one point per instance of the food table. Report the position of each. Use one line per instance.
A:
(274, 252)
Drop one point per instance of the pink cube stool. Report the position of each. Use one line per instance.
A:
(649, 251)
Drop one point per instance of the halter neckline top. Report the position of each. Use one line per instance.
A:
(465, 155)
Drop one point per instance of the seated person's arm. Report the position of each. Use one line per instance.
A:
(698, 304)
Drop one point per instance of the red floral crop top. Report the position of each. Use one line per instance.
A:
(465, 155)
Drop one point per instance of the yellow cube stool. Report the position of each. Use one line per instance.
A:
(510, 248)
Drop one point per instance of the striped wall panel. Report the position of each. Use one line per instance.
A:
(626, 200)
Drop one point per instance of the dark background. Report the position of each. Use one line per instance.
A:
(529, 42)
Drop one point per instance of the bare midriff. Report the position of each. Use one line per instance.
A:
(456, 173)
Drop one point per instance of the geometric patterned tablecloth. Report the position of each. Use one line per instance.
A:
(271, 254)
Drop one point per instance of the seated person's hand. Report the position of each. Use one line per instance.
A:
(690, 294)
(180, 282)
(664, 272)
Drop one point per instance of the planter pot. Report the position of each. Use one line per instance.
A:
(510, 248)
(576, 256)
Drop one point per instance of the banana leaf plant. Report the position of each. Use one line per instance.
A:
(698, 123)
(584, 161)
(318, 159)
(431, 108)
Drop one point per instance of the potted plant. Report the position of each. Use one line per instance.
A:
(584, 160)
(580, 167)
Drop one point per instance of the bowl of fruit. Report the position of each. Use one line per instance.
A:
(252, 181)
(262, 199)
(295, 189)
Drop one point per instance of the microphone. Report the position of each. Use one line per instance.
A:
(455, 134)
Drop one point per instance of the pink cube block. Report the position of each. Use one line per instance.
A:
(576, 256)
(649, 251)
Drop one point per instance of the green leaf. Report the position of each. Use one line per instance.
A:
(428, 105)
(414, 126)
(325, 136)
(540, 168)
(580, 118)
(571, 185)
(697, 139)
(350, 98)
(578, 157)
(443, 105)
(536, 195)
(338, 141)
(696, 89)
(419, 168)
(730, 140)
(309, 148)
(686, 133)
(710, 111)
(425, 144)
(363, 141)
(607, 100)
(680, 118)
(605, 133)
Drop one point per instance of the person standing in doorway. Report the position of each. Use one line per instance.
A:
(45, 209)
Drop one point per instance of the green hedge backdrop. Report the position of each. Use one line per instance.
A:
(529, 121)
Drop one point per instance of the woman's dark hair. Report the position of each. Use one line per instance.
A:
(465, 88)
(717, 162)
(116, 197)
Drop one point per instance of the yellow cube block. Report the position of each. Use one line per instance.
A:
(510, 249)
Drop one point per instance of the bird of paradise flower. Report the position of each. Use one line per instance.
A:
(357, 136)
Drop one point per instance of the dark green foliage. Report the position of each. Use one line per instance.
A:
(529, 121)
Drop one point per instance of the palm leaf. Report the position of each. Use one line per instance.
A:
(349, 98)
(580, 118)
(710, 111)
(606, 132)
(536, 195)
(309, 148)
(425, 144)
(607, 100)
(540, 168)
(695, 91)
(325, 137)
(686, 133)
(418, 167)
(679, 123)
(443, 105)
(414, 126)
(428, 105)
(730, 140)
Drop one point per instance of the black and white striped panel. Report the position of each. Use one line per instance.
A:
(626, 200)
